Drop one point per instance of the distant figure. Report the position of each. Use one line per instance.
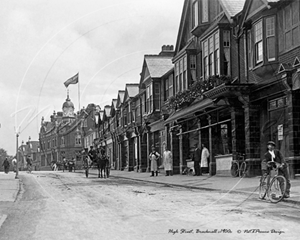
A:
(29, 163)
(64, 163)
(204, 159)
(168, 162)
(6, 164)
(14, 164)
(153, 157)
(197, 159)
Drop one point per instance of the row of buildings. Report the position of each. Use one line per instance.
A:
(231, 82)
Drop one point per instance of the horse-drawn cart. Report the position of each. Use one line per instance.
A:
(99, 161)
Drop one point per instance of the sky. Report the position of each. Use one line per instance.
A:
(43, 43)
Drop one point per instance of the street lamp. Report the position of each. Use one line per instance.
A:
(17, 155)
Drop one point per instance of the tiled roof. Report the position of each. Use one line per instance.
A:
(233, 7)
(158, 65)
(132, 89)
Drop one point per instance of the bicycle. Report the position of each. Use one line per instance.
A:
(271, 184)
(189, 169)
(239, 166)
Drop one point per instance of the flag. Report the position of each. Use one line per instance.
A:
(72, 80)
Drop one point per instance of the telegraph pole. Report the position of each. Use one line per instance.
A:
(17, 155)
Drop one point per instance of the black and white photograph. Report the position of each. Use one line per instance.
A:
(142, 120)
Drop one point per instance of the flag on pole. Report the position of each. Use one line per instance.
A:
(72, 80)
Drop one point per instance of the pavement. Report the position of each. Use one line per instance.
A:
(9, 186)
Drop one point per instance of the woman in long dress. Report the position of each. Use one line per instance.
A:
(153, 157)
(204, 159)
(168, 162)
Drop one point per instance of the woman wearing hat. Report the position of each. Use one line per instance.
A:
(274, 155)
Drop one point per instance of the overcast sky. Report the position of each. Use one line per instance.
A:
(43, 43)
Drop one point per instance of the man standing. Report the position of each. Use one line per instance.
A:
(197, 159)
(5, 164)
(204, 159)
(153, 157)
(274, 155)
(168, 161)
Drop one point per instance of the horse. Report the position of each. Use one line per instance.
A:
(102, 162)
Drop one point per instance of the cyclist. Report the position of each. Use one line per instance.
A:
(274, 155)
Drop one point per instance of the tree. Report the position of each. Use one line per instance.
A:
(3, 155)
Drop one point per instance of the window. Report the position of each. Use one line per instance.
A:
(250, 51)
(211, 55)
(181, 74)
(193, 61)
(149, 98)
(216, 53)
(78, 140)
(195, 14)
(270, 35)
(157, 96)
(258, 37)
(171, 85)
(205, 59)
(291, 25)
(226, 46)
(62, 141)
(166, 88)
(204, 11)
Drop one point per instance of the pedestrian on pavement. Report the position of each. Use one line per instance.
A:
(14, 163)
(168, 161)
(153, 157)
(274, 155)
(29, 163)
(204, 159)
(197, 159)
(64, 163)
(6, 164)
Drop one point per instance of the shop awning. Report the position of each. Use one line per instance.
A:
(187, 112)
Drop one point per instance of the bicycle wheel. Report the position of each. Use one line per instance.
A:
(234, 169)
(190, 172)
(277, 189)
(263, 187)
(242, 170)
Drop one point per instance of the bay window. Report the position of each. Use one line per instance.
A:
(195, 14)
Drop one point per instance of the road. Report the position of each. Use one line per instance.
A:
(56, 205)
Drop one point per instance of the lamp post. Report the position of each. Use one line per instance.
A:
(17, 153)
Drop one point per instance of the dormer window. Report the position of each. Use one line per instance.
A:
(204, 11)
(195, 14)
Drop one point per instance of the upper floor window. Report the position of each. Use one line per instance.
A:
(291, 25)
(226, 47)
(211, 55)
(270, 36)
(157, 96)
(62, 141)
(195, 14)
(250, 51)
(149, 98)
(204, 11)
(258, 38)
(78, 139)
(181, 79)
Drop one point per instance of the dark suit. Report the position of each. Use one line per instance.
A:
(283, 171)
(197, 160)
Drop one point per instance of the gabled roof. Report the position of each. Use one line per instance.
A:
(113, 107)
(107, 109)
(232, 7)
(131, 90)
(158, 65)
(120, 97)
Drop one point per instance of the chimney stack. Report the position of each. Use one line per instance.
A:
(167, 50)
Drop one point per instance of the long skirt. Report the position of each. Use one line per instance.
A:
(154, 165)
(6, 169)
